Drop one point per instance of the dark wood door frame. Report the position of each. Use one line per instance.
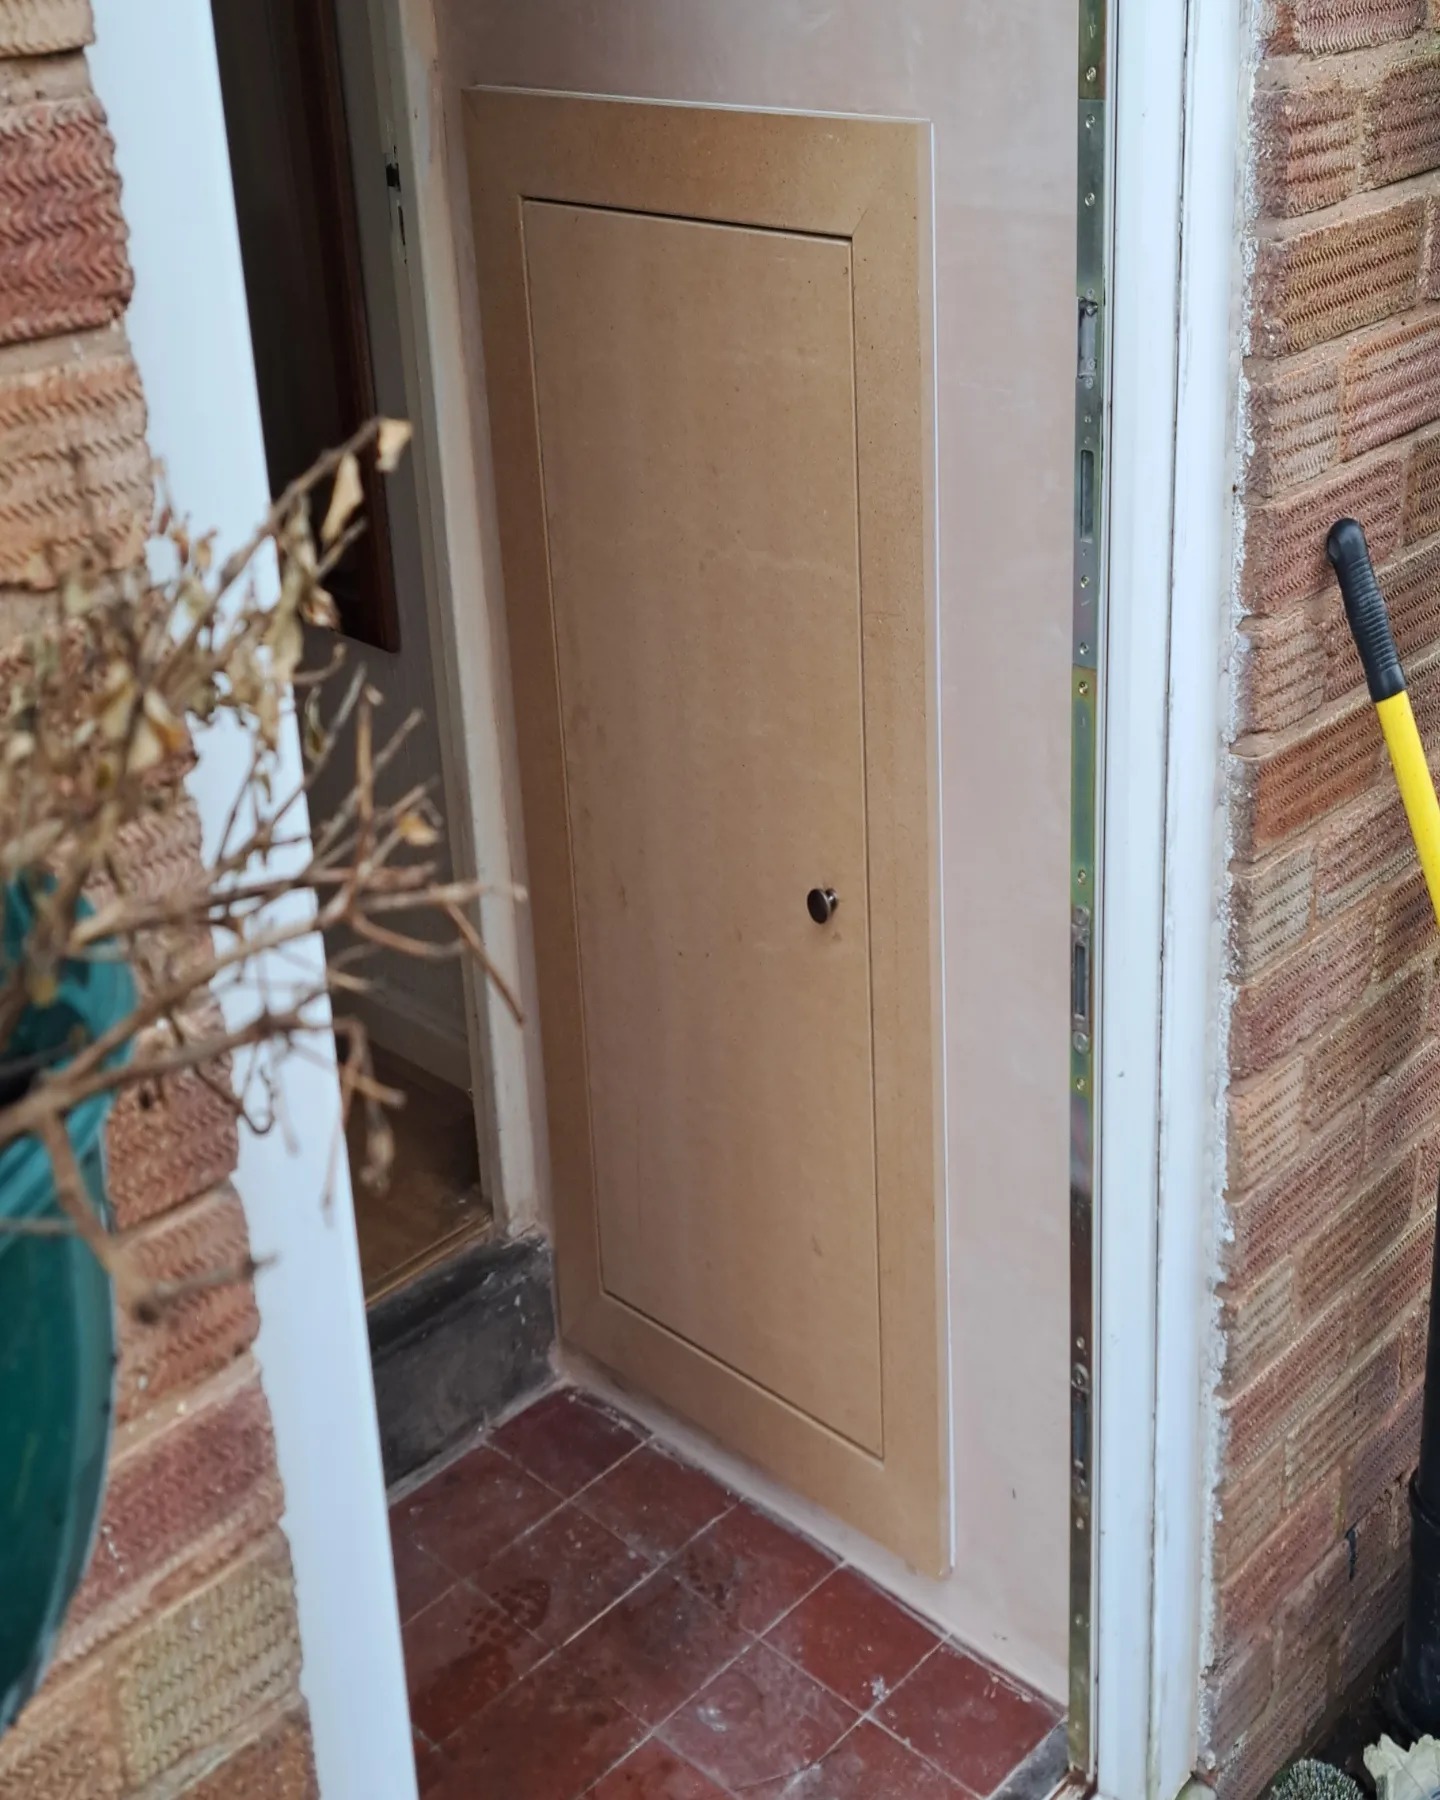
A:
(284, 100)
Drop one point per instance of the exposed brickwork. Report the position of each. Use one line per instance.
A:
(1295, 421)
(1422, 489)
(1319, 282)
(177, 1671)
(195, 1672)
(1334, 1043)
(209, 1327)
(44, 27)
(1307, 147)
(1402, 122)
(63, 265)
(1369, 1044)
(174, 1485)
(1391, 385)
(189, 1143)
(1282, 675)
(1270, 908)
(1322, 26)
(1282, 560)
(1430, 263)
(276, 1767)
(72, 444)
(1296, 780)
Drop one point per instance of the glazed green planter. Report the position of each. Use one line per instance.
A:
(57, 1353)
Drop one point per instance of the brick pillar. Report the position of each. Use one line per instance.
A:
(178, 1670)
(1334, 1103)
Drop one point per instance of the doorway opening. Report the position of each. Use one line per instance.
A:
(315, 220)
(748, 582)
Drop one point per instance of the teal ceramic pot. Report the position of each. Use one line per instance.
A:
(57, 1354)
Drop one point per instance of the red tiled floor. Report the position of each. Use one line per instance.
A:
(657, 1647)
(473, 1510)
(655, 1773)
(566, 1440)
(655, 1503)
(967, 1718)
(854, 1639)
(429, 1767)
(869, 1764)
(419, 1579)
(561, 1575)
(648, 1637)
(550, 1738)
(761, 1720)
(460, 1653)
(750, 1569)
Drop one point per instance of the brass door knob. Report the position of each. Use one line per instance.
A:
(820, 903)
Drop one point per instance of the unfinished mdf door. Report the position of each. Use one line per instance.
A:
(704, 343)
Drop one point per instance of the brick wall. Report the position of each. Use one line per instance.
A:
(178, 1670)
(1334, 1106)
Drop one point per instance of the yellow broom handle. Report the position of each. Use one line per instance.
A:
(1370, 626)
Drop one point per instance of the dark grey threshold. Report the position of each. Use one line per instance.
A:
(456, 1346)
(1042, 1770)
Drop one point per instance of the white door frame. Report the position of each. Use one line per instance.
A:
(1174, 77)
(462, 580)
(1175, 68)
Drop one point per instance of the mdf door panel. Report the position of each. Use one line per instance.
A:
(693, 381)
(705, 340)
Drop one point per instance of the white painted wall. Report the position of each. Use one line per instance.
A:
(154, 67)
(998, 82)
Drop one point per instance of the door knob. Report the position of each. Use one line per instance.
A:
(820, 903)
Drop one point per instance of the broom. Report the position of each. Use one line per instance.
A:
(1415, 1697)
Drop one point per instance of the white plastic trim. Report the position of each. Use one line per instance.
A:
(1176, 77)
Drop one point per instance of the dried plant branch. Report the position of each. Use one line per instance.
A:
(106, 699)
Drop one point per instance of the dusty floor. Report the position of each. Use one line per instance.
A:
(585, 1614)
(433, 1203)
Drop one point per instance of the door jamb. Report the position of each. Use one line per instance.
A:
(461, 580)
(1175, 80)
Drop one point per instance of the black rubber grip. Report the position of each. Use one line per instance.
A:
(1365, 609)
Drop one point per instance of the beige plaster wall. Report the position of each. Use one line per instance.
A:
(997, 80)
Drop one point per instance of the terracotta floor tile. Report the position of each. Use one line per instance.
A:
(655, 1503)
(655, 1773)
(967, 1718)
(867, 1765)
(495, 1566)
(752, 1569)
(429, 1767)
(460, 1653)
(419, 1579)
(566, 1440)
(473, 1510)
(760, 1720)
(551, 1737)
(657, 1647)
(857, 1641)
(561, 1575)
